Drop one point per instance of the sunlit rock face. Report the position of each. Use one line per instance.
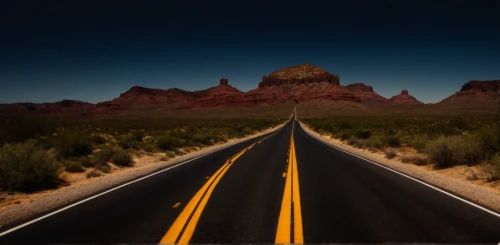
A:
(300, 74)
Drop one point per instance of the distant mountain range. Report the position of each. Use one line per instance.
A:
(297, 84)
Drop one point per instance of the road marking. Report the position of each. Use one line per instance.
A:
(410, 177)
(297, 208)
(113, 189)
(188, 233)
(176, 205)
(291, 196)
(184, 226)
(176, 228)
(284, 174)
(207, 177)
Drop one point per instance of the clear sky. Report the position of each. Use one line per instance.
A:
(95, 50)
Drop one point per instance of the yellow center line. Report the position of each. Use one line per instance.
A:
(297, 208)
(193, 210)
(291, 196)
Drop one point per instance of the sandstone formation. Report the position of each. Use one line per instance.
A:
(147, 96)
(404, 99)
(223, 81)
(300, 74)
(474, 94)
(483, 86)
(360, 87)
(294, 85)
(366, 94)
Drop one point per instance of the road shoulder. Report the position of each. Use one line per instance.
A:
(44, 201)
(483, 195)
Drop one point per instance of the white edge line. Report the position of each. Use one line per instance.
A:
(118, 187)
(407, 176)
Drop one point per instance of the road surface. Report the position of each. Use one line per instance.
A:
(283, 187)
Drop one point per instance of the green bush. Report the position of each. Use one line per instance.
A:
(73, 166)
(362, 134)
(93, 173)
(415, 159)
(490, 139)
(375, 142)
(390, 153)
(199, 139)
(247, 130)
(492, 168)
(73, 144)
(87, 162)
(418, 143)
(470, 151)
(27, 168)
(441, 152)
(138, 136)
(103, 155)
(168, 143)
(391, 141)
(103, 167)
(128, 142)
(149, 148)
(355, 142)
(345, 135)
(455, 150)
(122, 158)
(46, 143)
(169, 154)
(96, 139)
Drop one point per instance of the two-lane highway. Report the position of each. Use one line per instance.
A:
(283, 187)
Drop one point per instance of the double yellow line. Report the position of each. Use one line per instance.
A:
(291, 199)
(181, 233)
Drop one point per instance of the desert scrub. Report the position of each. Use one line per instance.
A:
(128, 142)
(415, 159)
(103, 155)
(150, 147)
(391, 140)
(169, 143)
(73, 166)
(455, 150)
(122, 158)
(103, 167)
(25, 167)
(492, 168)
(390, 153)
(73, 144)
(93, 173)
(355, 142)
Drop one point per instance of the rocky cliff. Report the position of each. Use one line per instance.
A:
(366, 94)
(483, 86)
(296, 84)
(404, 98)
(300, 74)
(474, 94)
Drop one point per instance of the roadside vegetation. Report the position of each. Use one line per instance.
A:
(35, 152)
(441, 141)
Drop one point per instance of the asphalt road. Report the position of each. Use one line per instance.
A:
(277, 188)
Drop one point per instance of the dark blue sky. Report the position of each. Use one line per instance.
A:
(95, 50)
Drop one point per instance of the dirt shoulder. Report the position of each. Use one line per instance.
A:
(20, 206)
(452, 179)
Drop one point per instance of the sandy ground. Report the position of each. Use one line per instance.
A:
(19, 206)
(460, 180)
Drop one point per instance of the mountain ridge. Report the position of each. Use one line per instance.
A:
(296, 84)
